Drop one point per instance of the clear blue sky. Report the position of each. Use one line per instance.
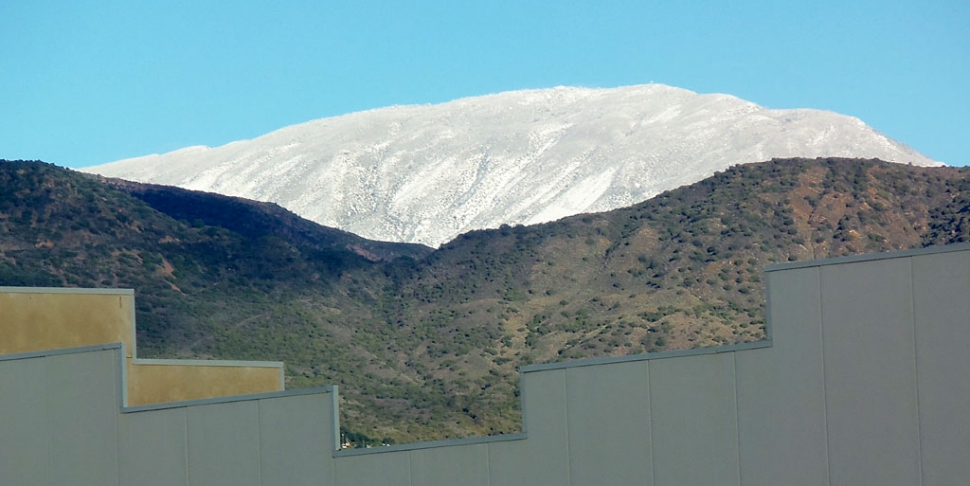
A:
(83, 83)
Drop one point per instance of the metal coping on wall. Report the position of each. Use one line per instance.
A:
(430, 445)
(730, 348)
(119, 349)
(929, 250)
(232, 399)
(207, 362)
(55, 352)
(65, 290)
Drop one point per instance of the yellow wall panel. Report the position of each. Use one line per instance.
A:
(42, 321)
(151, 383)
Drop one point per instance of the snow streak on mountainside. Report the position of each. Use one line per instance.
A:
(425, 174)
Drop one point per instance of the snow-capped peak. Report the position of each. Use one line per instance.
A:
(425, 174)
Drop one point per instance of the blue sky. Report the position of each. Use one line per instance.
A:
(83, 83)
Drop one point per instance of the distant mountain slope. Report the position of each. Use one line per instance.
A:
(425, 174)
(254, 219)
(428, 348)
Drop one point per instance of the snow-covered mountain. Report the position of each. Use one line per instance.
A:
(425, 174)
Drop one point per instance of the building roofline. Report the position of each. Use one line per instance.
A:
(929, 250)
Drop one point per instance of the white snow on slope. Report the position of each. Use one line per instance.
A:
(425, 174)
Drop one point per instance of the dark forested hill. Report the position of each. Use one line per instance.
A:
(427, 345)
(253, 219)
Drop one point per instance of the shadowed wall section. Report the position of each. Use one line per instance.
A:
(865, 380)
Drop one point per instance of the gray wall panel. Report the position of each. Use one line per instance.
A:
(464, 465)
(152, 448)
(694, 420)
(296, 440)
(781, 398)
(609, 424)
(224, 444)
(82, 407)
(942, 310)
(870, 379)
(24, 449)
(386, 469)
(867, 382)
(544, 457)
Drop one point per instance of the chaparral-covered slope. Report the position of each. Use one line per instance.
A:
(424, 174)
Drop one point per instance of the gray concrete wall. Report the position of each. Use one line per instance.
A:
(62, 422)
(866, 380)
(781, 397)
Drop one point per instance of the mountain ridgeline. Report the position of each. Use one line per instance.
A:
(425, 344)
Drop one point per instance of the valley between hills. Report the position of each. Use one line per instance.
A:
(425, 343)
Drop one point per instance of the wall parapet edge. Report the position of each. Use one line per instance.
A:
(415, 446)
(886, 255)
(580, 363)
(754, 430)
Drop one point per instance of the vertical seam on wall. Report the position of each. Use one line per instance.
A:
(737, 415)
(120, 380)
(825, 404)
(124, 378)
(488, 465)
(565, 402)
(649, 418)
(653, 442)
(47, 420)
(134, 334)
(912, 309)
(116, 415)
(336, 433)
(768, 324)
(185, 423)
(522, 405)
(335, 423)
(259, 444)
(410, 468)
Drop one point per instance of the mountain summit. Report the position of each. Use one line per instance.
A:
(424, 174)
